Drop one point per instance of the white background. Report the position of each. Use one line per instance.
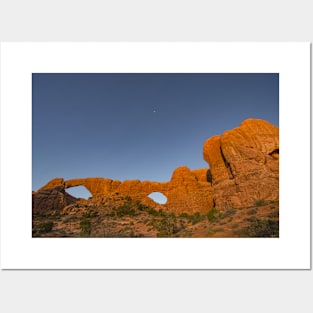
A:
(243, 291)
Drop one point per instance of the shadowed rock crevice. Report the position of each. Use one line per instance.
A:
(209, 176)
(227, 165)
(274, 154)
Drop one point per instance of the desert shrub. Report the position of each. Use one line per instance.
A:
(167, 226)
(211, 232)
(192, 218)
(251, 219)
(127, 208)
(46, 215)
(219, 229)
(252, 211)
(260, 202)
(274, 214)
(85, 227)
(90, 214)
(44, 228)
(196, 218)
(184, 215)
(152, 211)
(214, 215)
(140, 206)
(263, 228)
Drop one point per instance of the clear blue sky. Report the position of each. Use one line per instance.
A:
(138, 126)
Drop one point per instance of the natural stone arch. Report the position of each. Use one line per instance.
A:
(96, 186)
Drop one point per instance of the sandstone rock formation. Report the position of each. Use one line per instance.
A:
(244, 168)
(51, 199)
(244, 163)
(187, 191)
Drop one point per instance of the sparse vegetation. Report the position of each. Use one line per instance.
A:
(262, 228)
(167, 226)
(128, 208)
(219, 229)
(85, 227)
(251, 219)
(211, 232)
(43, 228)
(90, 214)
(192, 218)
(214, 215)
(260, 202)
(252, 211)
(127, 218)
(273, 214)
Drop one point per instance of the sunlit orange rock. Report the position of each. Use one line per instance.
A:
(244, 168)
(244, 163)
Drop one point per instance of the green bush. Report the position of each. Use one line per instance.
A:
(192, 218)
(252, 211)
(263, 228)
(141, 207)
(196, 218)
(44, 228)
(260, 202)
(90, 214)
(251, 219)
(152, 211)
(274, 214)
(85, 227)
(167, 226)
(214, 215)
(127, 208)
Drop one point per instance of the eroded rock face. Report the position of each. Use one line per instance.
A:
(244, 163)
(51, 199)
(244, 168)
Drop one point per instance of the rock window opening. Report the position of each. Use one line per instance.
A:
(227, 165)
(79, 192)
(158, 197)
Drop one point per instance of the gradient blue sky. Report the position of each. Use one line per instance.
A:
(138, 126)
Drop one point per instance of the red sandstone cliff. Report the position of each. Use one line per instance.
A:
(244, 163)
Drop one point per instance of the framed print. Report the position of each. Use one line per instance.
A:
(155, 155)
